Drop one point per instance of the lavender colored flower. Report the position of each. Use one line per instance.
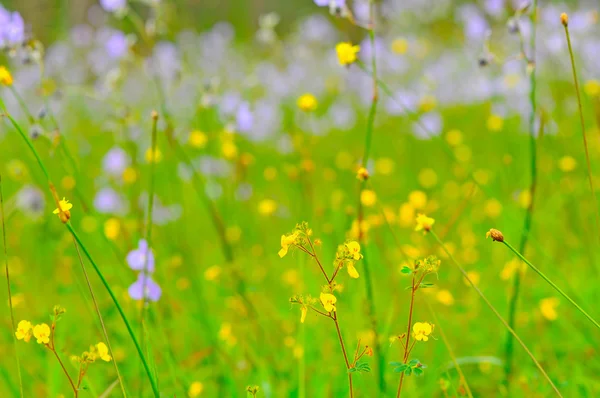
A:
(145, 288)
(115, 161)
(142, 258)
(244, 117)
(107, 200)
(428, 126)
(330, 3)
(116, 46)
(113, 5)
(12, 28)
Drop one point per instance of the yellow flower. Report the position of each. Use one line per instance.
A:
(548, 308)
(400, 46)
(304, 311)
(196, 389)
(42, 333)
(197, 139)
(424, 223)
(495, 123)
(286, 242)
(102, 352)
(368, 197)
(346, 53)
(153, 156)
(5, 76)
(354, 248)
(592, 88)
(567, 163)
(352, 270)
(328, 300)
(23, 331)
(65, 206)
(307, 102)
(422, 330)
(445, 297)
(267, 207)
(362, 174)
(129, 175)
(112, 227)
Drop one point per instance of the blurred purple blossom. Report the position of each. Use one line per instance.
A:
(107, 200)
(113, 5)
(115, 161)
(116, 46)
(244, 118)
(142, 258)
(145, 288)
(428, 126)
(12, 28)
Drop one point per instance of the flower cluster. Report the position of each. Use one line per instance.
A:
(347, 255)
(142, 259)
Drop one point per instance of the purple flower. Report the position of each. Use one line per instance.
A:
(331, 3)
(12, 28)
(107, 200)
(116, 45)
(113, 5)
(142, 258)
(244, 118)
(145, 287)
(115, 161)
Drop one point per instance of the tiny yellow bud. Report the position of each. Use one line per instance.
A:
(496, 235)
(564, 19)
(362, 174)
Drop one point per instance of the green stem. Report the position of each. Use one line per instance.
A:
(512, 311)
(582, 121)
(10, 304)
(540, 273)
(493, 309)
(118, 306)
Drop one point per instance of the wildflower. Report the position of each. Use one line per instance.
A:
(400, 46)
(496, 235)
(354, 248)
(564, 19)
(153, 156)
(141, 258)
(328, 300)
(197, 139)
(102, 352)
(116, 161)
(303, 311)
(267, 207)
(65, 206)
(368, 197)
(42, 333)
(567, 163)
(286, 242)
(145, 287)
(362, 174)
(12, 28)
(591, 88)
(352, 270)
(346, 53)
(307, 102)
(445, 297)
(196, 389)
(23, 331)
(113, 5)
(548, 308)
(5, 76)
(424, 223)
(495, 123)
(368, 351)
(112, 227)
(422, 330)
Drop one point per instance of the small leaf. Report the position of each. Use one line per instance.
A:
(426, 285)
(406, 270)
(351, 370)
(413, 362)
(401, 368)
(408, 371)
(395, 363)
(418, 371)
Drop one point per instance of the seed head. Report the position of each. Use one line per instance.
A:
(496, 235)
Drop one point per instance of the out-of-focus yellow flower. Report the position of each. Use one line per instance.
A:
(303, 311)
(362, 174)
(548, 308)
(153, 156)
(112, 227)
(427, 178)
(400, 46)
(5, 76)
(492, 208)
(567, 163)
(328, 300)
(42, 333)
(418, 199)
(427, 103)
(229, 149)
(424, 223)
(422, 330)
(286, 242)
(196, 389)
(129, 175)
(197, 139)
(454, 137)
(445, 297)
(24, 331)
(592, 88)
(68, 182)
(266, 207)
(368, 197)
(307, 102)
(102, 352)
(346, 53)
(495, 123)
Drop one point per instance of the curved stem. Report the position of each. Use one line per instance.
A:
(339, 333)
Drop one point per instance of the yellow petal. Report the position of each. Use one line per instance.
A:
(352, 271)
(304, 310)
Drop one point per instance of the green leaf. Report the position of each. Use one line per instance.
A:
(396, 363)
(406, 270)
(408, 371)
(418, 371)
(352, 370)
(401, 368)
(413, 362)
(426, 285)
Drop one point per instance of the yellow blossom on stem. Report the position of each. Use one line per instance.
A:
(5, 76)
(422, 330)
(354, 249)
(307, 102)
(42, 333)
(65, 206)
(24, 331)
(153, 156)
(102, 352)
(196, 389)
(328, 300)
(346, 53)
(424, 223)
(352, 270)
(286, 242)
(362, 174)
(303, 311)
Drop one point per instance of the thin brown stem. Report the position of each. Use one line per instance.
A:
(75, 389)
(406, 350)
(314, 255)
(339, 333)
